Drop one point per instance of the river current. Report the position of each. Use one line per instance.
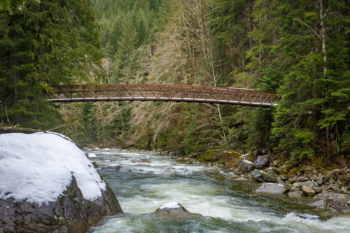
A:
(146, 181)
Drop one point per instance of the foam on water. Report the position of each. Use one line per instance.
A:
(163, 181)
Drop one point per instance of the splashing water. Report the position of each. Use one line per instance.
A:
(147, 181)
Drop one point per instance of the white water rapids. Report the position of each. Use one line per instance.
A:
(146, 181)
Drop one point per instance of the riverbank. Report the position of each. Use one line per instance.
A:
(321, 188)
(144, 181)
(316, 186)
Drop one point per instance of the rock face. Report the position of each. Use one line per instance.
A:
(71, 213)
(262, 161)
(173, 209)
(271, 188)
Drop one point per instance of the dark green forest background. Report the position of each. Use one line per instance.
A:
(298, 49)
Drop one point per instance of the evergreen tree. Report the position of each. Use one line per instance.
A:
(44, 43)
(311, 119)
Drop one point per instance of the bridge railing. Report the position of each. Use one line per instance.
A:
(163, 92)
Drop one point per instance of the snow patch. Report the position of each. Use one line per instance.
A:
(39, 167)
(170, 205)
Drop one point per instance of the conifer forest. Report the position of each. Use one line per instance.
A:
(297, 49)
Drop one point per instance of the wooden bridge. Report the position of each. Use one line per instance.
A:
(164, 93)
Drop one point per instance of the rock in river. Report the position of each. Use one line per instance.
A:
(262, 176)
(173, 209)
(271, 188)
(48, 185)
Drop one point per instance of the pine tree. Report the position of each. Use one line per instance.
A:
(307, 119)
(44, 43)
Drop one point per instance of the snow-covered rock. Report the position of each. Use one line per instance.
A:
(49, 180)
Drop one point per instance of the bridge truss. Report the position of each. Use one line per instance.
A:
(164, 93)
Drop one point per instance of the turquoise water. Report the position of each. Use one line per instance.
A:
(227, 205)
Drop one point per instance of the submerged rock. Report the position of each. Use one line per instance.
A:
(145, 161)
(271, 188)
(173, 209)
(115, 167)
(141, 161)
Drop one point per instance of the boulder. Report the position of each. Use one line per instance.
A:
(262, 176)
(295, 194)
(71, 213)
(308, 191)
(245, 166)
(335, 201)
(271, 188)
(60, 190)
(173, 209)
(262, 161)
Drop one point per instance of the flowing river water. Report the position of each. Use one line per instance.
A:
(146, 181)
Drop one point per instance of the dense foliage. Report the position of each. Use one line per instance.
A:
(43, 43)
(298, 49)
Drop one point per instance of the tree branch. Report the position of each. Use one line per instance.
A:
(308, 26)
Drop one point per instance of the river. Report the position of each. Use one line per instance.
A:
(146, 181)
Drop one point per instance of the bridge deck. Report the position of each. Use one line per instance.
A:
(162, 92)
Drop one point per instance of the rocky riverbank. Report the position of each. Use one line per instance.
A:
(326, 189)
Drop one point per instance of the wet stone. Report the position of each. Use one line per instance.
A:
(173, 209)
(271, 188)
(262, 176)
